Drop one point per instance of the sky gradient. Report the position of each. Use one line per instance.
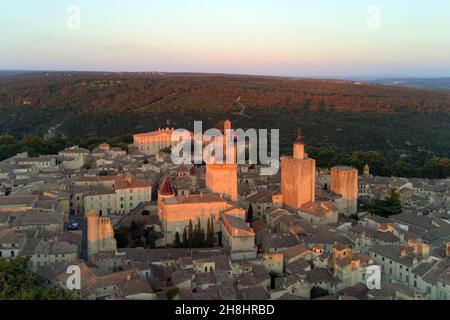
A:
(273, 37)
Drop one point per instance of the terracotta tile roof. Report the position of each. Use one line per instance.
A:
(164, 132)
(295, 251)
(258, 225)
(194, 198)
(236, 226)
(318, 209)
(255, 293)
(166, 189)
(124, 183)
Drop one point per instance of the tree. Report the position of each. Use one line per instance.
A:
(86, 166)
(136, 230)
(177, 240)
(121, 236)
(138, 244)
(250, 213)
(437, 168)
(317, 292)
(393, 202)
(34, 145)
(198, 234)
(390, 206)
(151, 237)
(210, 233)
(172, 293)
(7, 140)
(219, 238)
(18, 282)
(201, 241)
(191, 234)
(401, 168)
(185, 239)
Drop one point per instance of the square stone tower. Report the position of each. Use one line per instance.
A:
(344, 182)
(222, 178)
(100, 234)
(298, 177)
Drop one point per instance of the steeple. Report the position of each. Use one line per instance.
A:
(166, 189)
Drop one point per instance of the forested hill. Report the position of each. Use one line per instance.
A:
(143, 92)
(399, 122)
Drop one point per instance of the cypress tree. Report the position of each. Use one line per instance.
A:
(185, 239)
(212, 228)
(208, 233)
(202, 241)
(191, 234)
(250, 213)
(177, 240)
(198, 234)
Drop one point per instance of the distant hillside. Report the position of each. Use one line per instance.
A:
(401, 122)
(419, 83)
(13, 72)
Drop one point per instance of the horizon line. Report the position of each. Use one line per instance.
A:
(309, 76)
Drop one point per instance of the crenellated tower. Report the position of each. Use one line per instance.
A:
(100, 234)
